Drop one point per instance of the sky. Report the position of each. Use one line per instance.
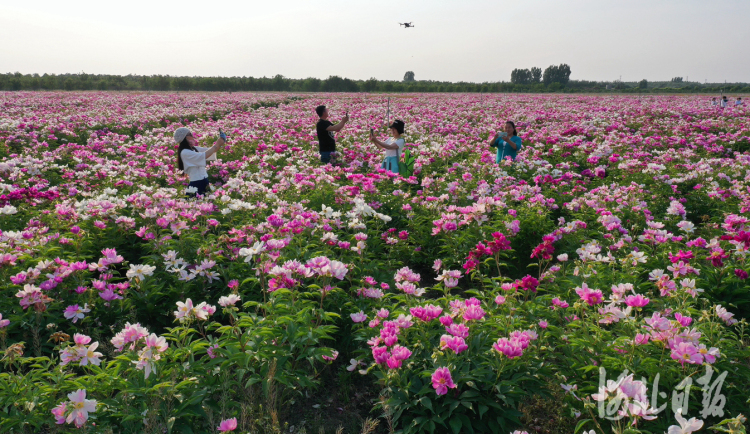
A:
(463, 40)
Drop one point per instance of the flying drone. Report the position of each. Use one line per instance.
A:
(406, 25)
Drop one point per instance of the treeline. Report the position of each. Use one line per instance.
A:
(553, 74)
(553, 79)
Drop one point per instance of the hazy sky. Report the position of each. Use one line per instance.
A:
(462, 40)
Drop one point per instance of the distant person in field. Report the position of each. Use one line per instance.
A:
(507, 143)
(393, 147)
(738, 102)
(325, 129)
(724, 101)
(191, 158)
(714, 102)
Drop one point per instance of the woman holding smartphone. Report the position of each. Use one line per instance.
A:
(191, 158)
(507, 143)
(393, 147)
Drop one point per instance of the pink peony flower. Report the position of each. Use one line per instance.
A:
(81, 408)
(636, 300)
(683, 320)
(590, 296)
(686, 352)
(228, 425)
(442, 381)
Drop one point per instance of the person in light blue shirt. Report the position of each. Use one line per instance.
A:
(507, 143)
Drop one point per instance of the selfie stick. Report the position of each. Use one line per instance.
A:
(388, 114)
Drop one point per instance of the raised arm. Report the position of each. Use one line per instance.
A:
(493, 141)
(340, 125)
(212, 150)
(383, 145)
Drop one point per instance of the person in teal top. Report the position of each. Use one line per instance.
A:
(506, 147)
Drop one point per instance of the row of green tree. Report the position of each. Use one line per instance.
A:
(553, 79)
(559, 74)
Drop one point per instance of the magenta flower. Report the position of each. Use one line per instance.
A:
(590, 296)
(228, 425)
(4, 322)
(641, 339)
(509, 348)
(683, 320)
(636, 300)
(458, 329)
(742, 274)
(473, 312)
(380, 354)
(455, 343)
(442, 381)
(59, 413)
(686, 352)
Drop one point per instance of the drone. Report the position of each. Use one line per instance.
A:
(406, 25)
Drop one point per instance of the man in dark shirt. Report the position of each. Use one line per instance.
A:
(325, 129)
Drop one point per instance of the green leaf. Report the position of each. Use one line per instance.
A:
(455, 424)
(580, 425)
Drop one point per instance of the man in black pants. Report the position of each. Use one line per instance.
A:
(325, 129)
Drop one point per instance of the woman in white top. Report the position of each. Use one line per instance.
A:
(393, 147)
(191, 158)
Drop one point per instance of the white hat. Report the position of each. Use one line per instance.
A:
(180, 134)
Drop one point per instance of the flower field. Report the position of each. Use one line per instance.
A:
(598, 283)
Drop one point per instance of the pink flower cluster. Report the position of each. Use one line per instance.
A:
(80, 353)
(186, 311)
(384, 347)
(498, 243)
(407, 280)
(147, 347)
(514, 345)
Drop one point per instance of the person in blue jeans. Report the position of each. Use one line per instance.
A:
(325, 130)
(507, 143)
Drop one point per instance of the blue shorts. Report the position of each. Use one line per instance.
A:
(391, 164)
